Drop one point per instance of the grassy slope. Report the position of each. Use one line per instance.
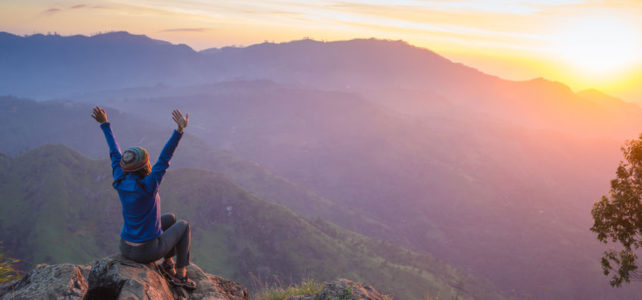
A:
(58, 206)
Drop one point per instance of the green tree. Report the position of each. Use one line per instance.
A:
(618, 217)
(7, 272)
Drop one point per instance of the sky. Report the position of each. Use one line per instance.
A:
(583, 43)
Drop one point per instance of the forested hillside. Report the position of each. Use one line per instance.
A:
(58, 206)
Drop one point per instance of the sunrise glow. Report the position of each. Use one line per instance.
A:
(600, 45)
(583, 43)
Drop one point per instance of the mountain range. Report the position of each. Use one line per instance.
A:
(50, 66)
(379, 137)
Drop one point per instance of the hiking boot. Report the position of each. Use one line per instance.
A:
(183, 282)
(168, 270)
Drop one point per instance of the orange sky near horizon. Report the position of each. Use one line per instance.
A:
(583, 43)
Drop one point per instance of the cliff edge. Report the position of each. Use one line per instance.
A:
(115, 277)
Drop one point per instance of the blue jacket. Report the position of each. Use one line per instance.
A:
(139, 196)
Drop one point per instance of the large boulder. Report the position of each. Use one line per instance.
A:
(115, 277)
(344, 289)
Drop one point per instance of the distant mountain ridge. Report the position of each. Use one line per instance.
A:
(137, 56)
(113, 36)
(53, 65)
(391, 73)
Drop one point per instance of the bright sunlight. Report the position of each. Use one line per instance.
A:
(601, 46)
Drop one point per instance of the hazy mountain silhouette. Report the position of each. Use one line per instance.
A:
(47, 65)
(389, 72)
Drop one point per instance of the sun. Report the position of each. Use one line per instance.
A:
(601, 46)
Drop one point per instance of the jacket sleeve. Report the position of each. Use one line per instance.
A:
(114, 151)
(153, 180)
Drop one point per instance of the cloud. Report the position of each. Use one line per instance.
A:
(185, 30)
(51, 11)
(55, 10)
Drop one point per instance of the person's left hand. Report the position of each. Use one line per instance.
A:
(99, 115)
(180, 121)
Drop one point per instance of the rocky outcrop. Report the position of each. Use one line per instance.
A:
(344, 289)
(116, 277)
(65, 281)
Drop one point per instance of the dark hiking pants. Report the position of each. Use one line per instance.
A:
(175, 240)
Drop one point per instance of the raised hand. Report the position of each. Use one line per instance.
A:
(180, 121)
(99, 115)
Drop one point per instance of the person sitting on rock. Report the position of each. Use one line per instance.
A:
(146, 235)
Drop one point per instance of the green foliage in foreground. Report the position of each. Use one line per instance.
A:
(618, 217)
(306, 287)
(275, 291)
(7, 272)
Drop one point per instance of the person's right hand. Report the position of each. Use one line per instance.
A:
(99, 115)
(180, 120)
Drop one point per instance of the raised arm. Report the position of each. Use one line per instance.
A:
(158, 170)
(114, 152)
